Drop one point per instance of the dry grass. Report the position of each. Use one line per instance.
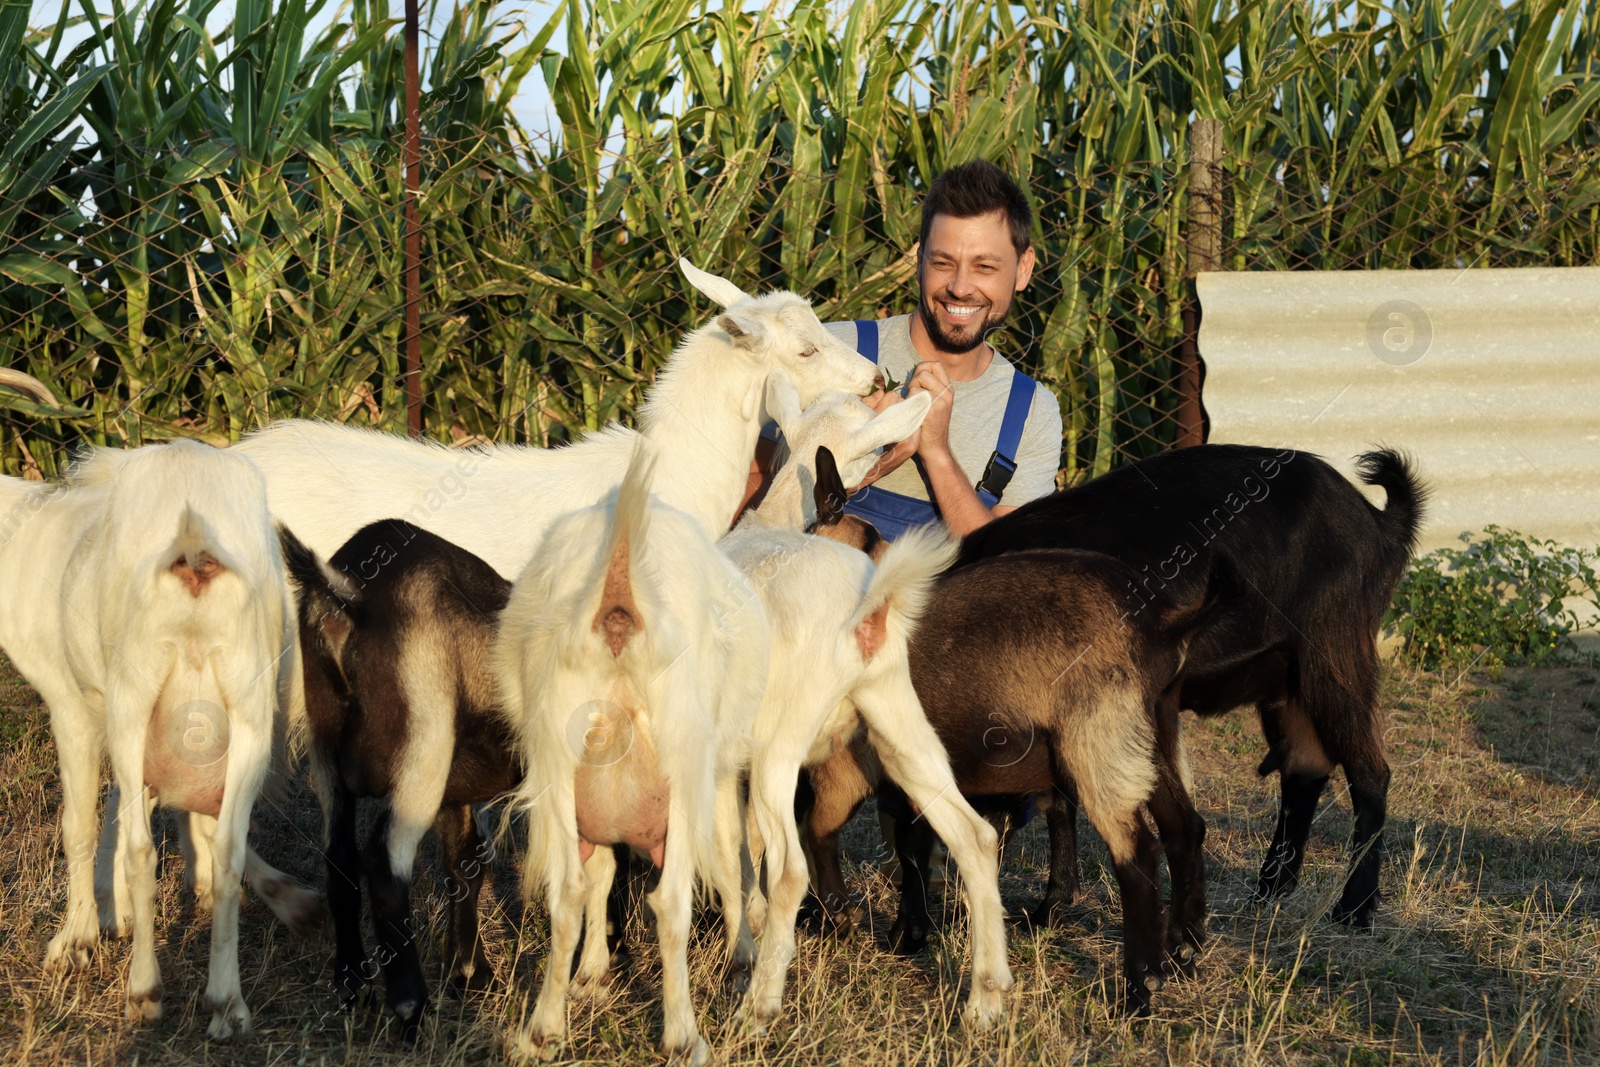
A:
(1487, 949)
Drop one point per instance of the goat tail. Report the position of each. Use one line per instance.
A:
(1401, 517)
(1224, 588)
(617, 616)
(633, 495)
(322, 590)
(904, 577)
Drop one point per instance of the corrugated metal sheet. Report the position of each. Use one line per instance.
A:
(1489, 378)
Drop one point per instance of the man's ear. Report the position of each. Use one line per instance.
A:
(724, 292)
(892, 425)
(1025, 268)
(746, 331)
(783, 403)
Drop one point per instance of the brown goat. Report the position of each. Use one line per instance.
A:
(1039, 673)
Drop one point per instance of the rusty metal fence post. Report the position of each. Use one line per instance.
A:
(413, 251)
(1203, 247)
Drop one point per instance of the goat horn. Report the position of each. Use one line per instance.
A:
(27, 383)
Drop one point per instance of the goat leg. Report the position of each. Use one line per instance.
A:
(838, 785)
(352, 971)
(913, 844)
(1134, 858)
(466, 854)
(1183, 834)
(1368, 775)
(80, 748)
(594, 957)
(1061, 818)
(405, 990)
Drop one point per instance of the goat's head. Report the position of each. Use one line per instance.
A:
(854, 433)
(832, 522)
(781, 332)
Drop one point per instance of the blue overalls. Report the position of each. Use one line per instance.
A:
(895, 513)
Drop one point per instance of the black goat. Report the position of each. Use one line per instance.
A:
(1318, 565)
(397, 629)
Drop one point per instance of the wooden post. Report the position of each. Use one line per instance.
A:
(413, 252)
(1203, 245)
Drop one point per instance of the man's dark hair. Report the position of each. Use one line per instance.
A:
(977, 188)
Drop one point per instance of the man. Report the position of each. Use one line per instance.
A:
(992, 439)
(975, 253)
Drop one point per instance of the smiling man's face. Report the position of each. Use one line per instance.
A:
(968, 271)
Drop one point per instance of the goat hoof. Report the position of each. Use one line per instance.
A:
(694, 1054)
(844, 924)
(757, 1020)
(1181, 963)
(144, 1007)
(737, 980)
(350, 982)
(1276, 880)
(908, 939)
(534, 1044)
(586, 985)
(1358, 917)
(229, 1020)
(474, 978)
(301, 910)
(1136, 1005)
(1051, 913)
(66, 954)
(984, 1010)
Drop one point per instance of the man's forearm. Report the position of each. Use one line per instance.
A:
(958, 502)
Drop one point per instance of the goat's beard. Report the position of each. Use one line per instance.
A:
(960, 341)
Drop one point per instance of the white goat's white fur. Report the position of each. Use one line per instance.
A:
(100, 618)
(825, 683)
(703, 414)
(853, 432)
(682, 689)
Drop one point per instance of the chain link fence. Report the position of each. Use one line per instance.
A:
(204, 294)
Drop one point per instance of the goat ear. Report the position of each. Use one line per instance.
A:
(783, 403)
(892, 425)
(829, 492)
(721, 290)
(746, 331)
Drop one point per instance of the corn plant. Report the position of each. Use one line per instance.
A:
(204, 232)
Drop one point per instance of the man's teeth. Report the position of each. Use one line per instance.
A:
(960, 312)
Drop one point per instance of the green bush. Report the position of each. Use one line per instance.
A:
(1501, 599)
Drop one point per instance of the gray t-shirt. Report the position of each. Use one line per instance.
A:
(975, 418)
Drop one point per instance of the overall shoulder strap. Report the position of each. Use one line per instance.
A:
(867, 338)
(1003, 464)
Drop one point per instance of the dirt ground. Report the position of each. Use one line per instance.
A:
(1486, 951)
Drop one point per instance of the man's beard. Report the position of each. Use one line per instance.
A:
(967, 339)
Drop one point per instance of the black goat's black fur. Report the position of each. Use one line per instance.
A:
(1318, 564)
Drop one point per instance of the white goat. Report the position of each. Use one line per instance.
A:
(839, 661)
(632, 656)
(144, 601)
(703, 414)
